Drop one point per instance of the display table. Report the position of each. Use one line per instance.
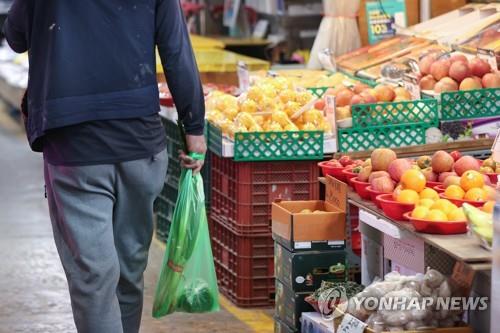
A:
(389, 245)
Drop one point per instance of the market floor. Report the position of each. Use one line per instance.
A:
(33, 289)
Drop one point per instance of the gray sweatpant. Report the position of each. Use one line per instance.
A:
(102, 218)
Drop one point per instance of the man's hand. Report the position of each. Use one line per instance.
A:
(195, 144)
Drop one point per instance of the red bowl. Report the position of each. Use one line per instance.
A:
(439, 188)
(436, 227)
(360, 188)
(493, 178)
(332, 171)
(393, 209)
(374, 195)
(459, 202)
(349, 175)
(432, 184)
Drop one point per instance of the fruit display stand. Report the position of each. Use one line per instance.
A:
(391, 244)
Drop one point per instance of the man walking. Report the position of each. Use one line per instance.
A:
(92, 108)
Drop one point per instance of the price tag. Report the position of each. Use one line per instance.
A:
(411, 84)
(331, 106)
(243, 76)
(351, 324)
(489, 56)
(325, 57)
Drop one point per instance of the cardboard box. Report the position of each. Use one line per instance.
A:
(290, 305)
(311, 231)
(281, 327)
(304, 271)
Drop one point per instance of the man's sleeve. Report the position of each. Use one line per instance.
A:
(16, 26)
(179, 65)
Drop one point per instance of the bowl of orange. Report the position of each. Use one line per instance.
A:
(437, 227)
(394, 209)
(360, 188)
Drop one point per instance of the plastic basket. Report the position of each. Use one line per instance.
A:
(270, 146)
(278, 146)
(387, 136)
(244, 265)
(419, 111)
(318, 91)
(470, 104)
(242, 193)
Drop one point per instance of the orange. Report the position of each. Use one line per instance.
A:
(471, 179)
(429, 193)
(490, 191)
(408, 197)
(420, 212)
(457, 215)
(454, 192)
(436, 215)
(476, 194)
(413, 180)
(443, 205)
(489, 206)
(426, 203)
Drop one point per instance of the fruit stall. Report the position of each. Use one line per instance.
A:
(375, 177)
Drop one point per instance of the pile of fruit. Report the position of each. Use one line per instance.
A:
(305, 78)
(489, 166)
(361, 93)
(268, 106)
(456, 73)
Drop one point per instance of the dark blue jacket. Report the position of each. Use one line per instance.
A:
(95, 60)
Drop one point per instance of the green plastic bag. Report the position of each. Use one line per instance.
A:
(187, 281)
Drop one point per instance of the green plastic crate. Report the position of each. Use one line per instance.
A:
(271, 146)
(387, 136)
(470, 104)
(318, 92)
(407, 112)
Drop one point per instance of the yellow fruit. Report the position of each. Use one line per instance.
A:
(489, 206)
(408, 197)
(457, 215)
(471, 179)
(444, 206)
(454, 192)
(413, 179)
(420, 212)
(436, 216)
(476, 194)
(429, 193)
(426, 203)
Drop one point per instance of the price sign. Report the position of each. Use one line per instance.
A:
(351, 324)
(489, 56)
(411, 84)
(243, 76)
(331, 106)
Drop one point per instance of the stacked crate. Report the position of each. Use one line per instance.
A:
(165, 204)
(240, 222)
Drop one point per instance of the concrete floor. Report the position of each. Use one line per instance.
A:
(33, 289)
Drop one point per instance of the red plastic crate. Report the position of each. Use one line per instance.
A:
(242, 192)
(244, 265)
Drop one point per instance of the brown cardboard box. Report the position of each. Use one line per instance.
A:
(293, 228)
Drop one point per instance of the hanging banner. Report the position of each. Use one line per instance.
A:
(382, 17)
